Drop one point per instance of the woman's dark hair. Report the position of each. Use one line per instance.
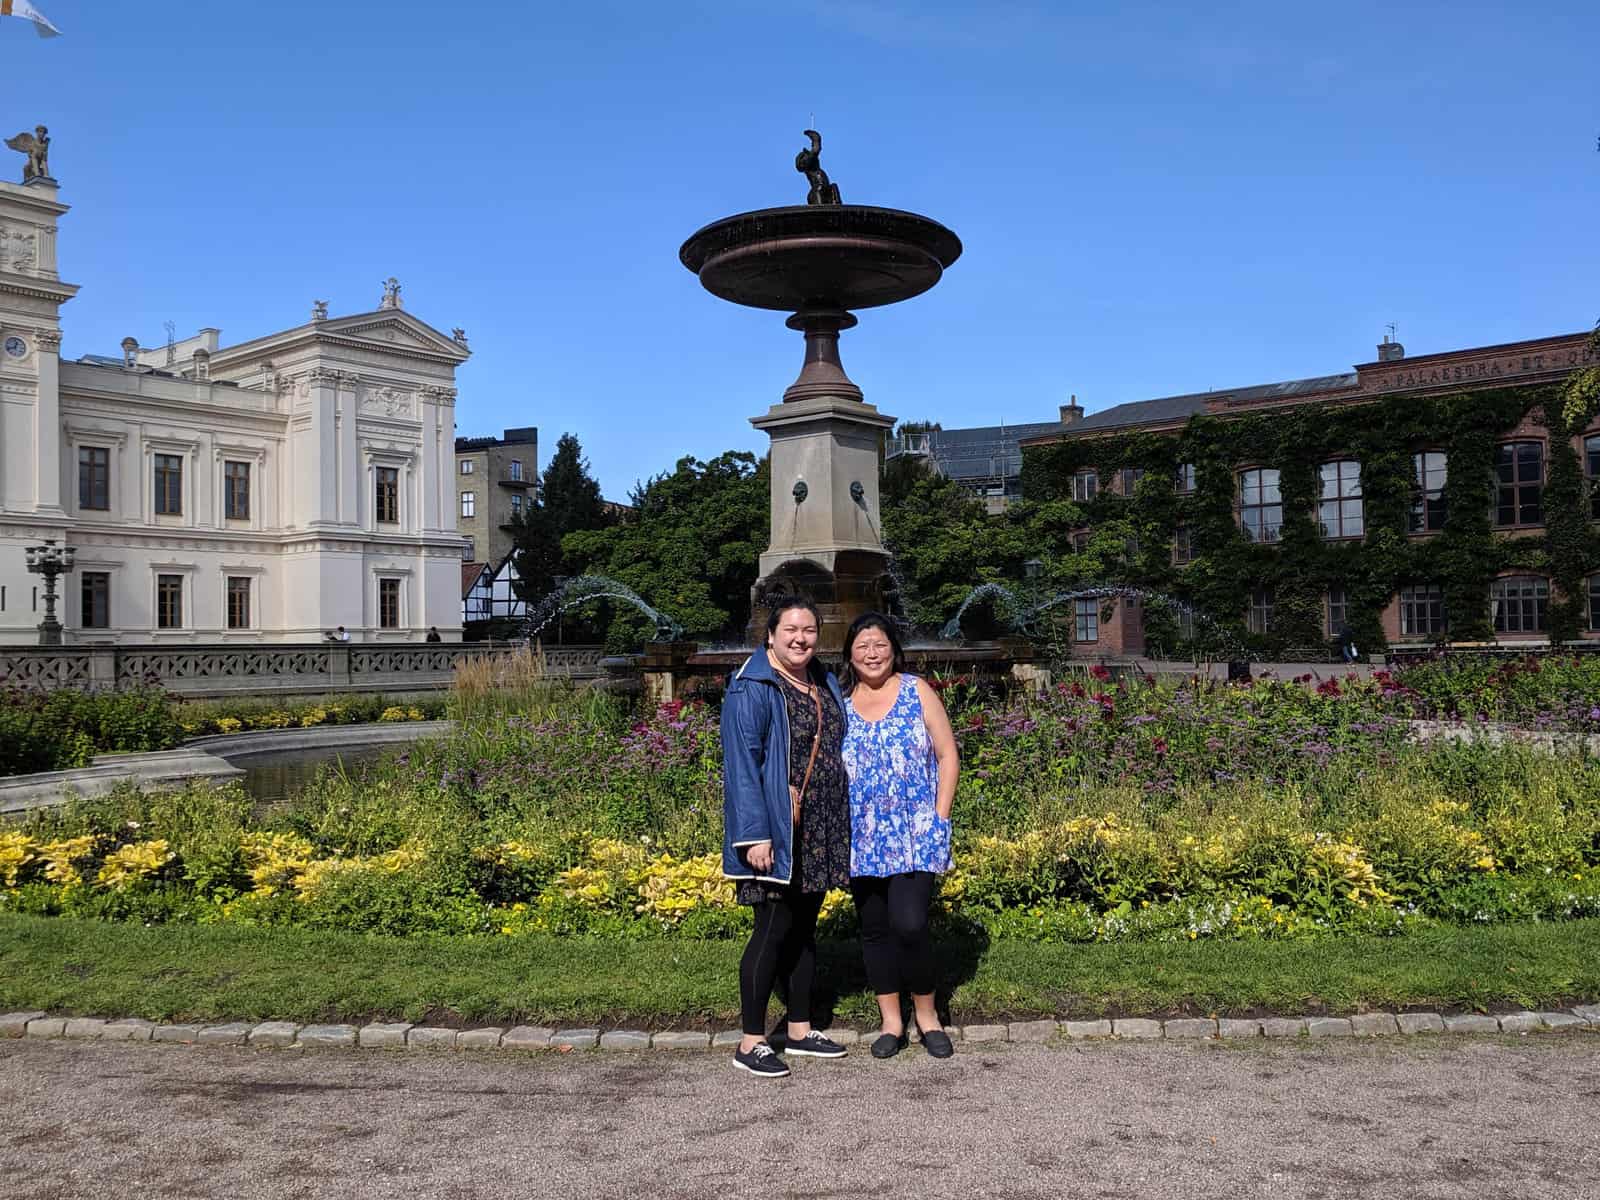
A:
(781, 605)
(866, 621)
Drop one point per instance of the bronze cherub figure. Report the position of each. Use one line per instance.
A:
(809, 163)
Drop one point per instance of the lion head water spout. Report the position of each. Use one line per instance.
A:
(588, 588)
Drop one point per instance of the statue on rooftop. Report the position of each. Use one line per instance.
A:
(319, 310)
(36, 146)
(391, 293)
(809, 163)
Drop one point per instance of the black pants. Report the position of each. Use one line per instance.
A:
(783, 947)
(894, 931)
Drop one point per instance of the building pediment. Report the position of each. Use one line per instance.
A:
(386, 332)
(389, 329)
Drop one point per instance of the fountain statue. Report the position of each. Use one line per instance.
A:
(818, 261)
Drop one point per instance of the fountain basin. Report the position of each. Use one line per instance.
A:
(820, 256)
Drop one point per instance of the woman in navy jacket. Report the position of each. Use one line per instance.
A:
(786, 824)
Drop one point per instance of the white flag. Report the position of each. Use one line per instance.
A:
(21, 8)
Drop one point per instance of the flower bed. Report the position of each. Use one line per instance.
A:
(1127, 812)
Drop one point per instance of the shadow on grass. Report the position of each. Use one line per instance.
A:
(841, 972)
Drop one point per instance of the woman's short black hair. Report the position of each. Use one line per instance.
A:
(866, 621)
(783, 604)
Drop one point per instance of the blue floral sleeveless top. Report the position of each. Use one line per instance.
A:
(895, 826)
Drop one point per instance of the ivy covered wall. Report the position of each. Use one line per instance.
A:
(1382, 435)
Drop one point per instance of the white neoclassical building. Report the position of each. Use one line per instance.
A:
(271, 490)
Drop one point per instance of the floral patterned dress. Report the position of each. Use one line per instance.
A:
(822, 850)
(895, 824)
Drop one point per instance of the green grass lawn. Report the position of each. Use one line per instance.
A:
(178, 972)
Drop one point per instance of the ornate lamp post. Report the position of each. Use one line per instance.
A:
(50, 560)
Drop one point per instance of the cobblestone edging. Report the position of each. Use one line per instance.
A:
(400, 1036)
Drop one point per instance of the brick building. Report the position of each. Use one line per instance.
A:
(1502, 582)
(496, 479)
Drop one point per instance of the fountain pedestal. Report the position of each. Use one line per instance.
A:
(818, 262)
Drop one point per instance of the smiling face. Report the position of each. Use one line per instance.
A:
(872, 656)
(794, 641)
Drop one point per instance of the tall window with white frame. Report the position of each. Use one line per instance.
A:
(1422, 612)
(1084, 486)
(238, 602)
(386, 497)
(516, 470)
(1519, 483)
(169, 601)
(1429, 471)
(1521, 603)
(469, 504)
(1183, 479)
(1338, 610)
(1129, 479)
(169, 485)
(1260, 505)
(1340, 513)
(1591, 473)
(516, 505)
(1086, 620)
(95, 595)
(388, 604)
(94, 478)
(236, 491)
(1259, 618)
(467, 466)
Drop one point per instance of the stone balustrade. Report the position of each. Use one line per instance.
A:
(221, 670)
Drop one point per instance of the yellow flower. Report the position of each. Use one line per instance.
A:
(16, 852)
(229, 724)
(127, 865)
(59, 857)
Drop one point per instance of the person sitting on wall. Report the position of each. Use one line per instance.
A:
(340, 634)
(433, 634)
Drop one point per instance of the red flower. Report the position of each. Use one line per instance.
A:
(1099, 672)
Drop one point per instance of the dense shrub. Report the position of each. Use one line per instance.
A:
(1101, 811)
(64, 729)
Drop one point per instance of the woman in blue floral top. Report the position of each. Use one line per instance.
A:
(901, 756)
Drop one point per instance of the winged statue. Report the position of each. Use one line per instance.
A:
(36, 146)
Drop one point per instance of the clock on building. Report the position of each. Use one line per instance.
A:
(16, 347)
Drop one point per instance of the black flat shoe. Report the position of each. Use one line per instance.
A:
(887, 1045)
(936, 1042)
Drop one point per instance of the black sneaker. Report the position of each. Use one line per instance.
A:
(761, 1059)
(816, 1046)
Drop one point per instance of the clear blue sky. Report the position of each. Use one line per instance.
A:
(1153, 198)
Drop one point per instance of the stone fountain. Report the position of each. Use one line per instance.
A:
(818, 261)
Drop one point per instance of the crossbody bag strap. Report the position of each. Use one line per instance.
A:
(816, 744)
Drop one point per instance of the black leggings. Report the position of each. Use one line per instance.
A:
(894, 931)
(783, 946)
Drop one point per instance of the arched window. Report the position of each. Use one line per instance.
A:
(1339, 506)
(1520, 603)
(1260, 505)
(1519, 483)
(1422, 610)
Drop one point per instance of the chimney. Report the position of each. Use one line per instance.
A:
(202, 363)
(1071, 412)
(1389, 350)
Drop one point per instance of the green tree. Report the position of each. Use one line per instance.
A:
(689, 548)
(569, 500)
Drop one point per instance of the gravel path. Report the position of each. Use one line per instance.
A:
(1413, 1117)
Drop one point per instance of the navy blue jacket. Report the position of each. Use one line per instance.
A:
(755, 767)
